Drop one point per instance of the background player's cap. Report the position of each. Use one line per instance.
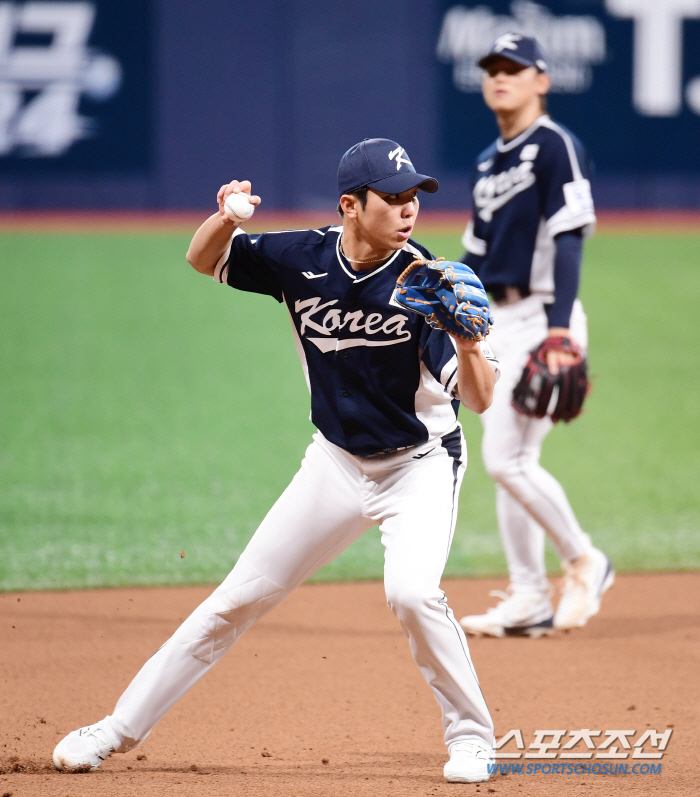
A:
(523, 50)
(383, 165)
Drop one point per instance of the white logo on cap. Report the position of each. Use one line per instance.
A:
(506, 42)
(398, 154)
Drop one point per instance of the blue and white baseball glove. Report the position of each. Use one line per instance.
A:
(448, 294)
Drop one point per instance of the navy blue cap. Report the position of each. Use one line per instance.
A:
(383, 165)
(523, 50)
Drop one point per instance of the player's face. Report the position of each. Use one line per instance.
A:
(388, 219)
(508, 86)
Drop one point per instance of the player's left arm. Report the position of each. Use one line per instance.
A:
(565, 193)
(567, 274)
(475, 376)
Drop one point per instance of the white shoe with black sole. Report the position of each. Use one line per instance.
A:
(521, 612)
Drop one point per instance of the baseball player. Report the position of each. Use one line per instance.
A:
(385, 387)
(531, 211)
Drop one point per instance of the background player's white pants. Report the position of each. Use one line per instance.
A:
(331, 501)
(529, 500)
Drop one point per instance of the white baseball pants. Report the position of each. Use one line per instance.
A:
(529, 500)
(333, 499)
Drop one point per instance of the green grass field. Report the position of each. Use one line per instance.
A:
(146, 410)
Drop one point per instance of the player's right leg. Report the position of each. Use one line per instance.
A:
(414, 495)
(317, 517)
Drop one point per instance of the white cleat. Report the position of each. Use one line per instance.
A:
(84, 750)
(469, 763)
(585, 581)
(521, 612)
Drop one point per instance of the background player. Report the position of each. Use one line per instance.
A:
(385, 388)
(531, 210)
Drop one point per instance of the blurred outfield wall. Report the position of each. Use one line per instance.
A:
(154, 103)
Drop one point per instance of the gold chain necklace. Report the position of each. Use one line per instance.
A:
(362, 261)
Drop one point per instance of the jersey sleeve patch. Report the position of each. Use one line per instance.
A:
(577, 211)
(577, 195)
(563, 183)
(564, 220)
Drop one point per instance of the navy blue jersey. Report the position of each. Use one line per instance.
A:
(380, 378)
(524, 193)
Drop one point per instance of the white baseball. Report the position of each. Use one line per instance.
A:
(238, 207)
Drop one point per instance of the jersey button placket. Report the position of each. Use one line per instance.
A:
(353, 294)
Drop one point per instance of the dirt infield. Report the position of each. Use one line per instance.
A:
(430, 221)
(322, 697)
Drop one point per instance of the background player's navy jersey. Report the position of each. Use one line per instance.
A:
(380, 378)
(525, 192)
